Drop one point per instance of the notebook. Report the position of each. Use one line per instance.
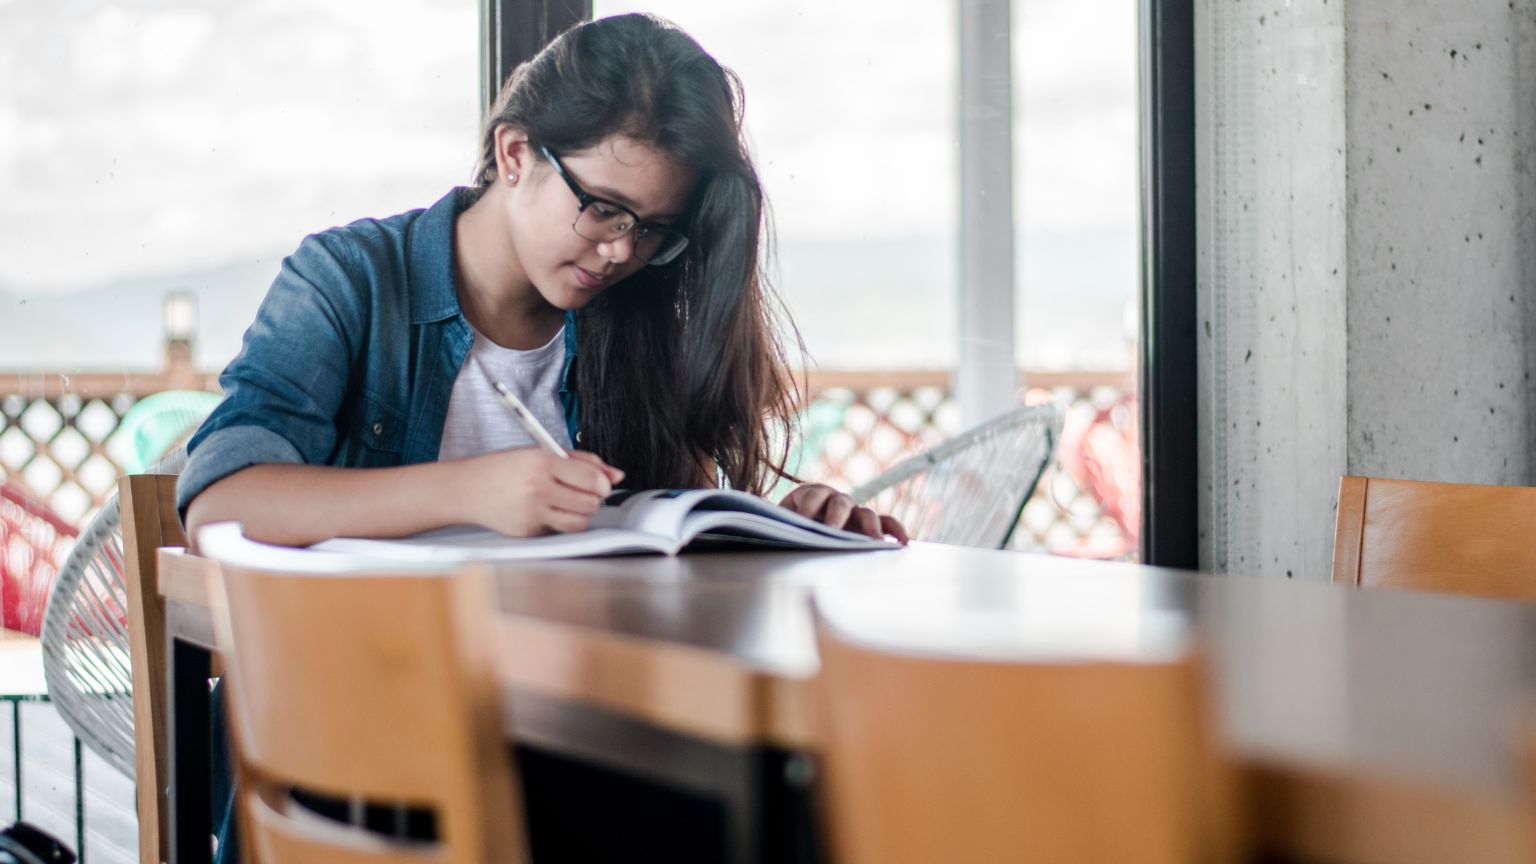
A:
(665, 521)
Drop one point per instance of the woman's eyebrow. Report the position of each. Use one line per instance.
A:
(618, 197)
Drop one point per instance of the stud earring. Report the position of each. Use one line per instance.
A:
(511, 178)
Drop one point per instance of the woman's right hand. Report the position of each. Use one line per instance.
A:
(528, 491)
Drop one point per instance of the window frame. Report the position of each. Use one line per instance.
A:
(512, 31)
(1168, 384)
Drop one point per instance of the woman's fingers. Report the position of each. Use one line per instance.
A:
(808, 500)
(615, 476)
(831, 507)
(864, 521)
(583, 476)
(564, 522)
(573, 500)
(839, 509)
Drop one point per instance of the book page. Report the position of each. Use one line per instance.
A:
(652, 520)
(714, 526)
(686, 513)
(226, 542)
(473, 543)
(652, 511)
(780, 521)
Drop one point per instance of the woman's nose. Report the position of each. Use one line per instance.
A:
(618, 250)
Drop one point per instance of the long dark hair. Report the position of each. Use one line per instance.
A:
(679, 365)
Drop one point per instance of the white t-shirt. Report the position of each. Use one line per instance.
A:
(478, 422)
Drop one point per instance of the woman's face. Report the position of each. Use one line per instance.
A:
(567, 269)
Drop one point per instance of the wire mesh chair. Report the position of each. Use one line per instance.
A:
(33, 542)
(970, 490)
(85, 635)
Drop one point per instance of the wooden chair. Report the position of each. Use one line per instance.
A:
(936, 759)
(368, 687)
(147, 503)
(1457, 537)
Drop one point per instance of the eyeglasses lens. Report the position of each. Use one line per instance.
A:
(602, 225)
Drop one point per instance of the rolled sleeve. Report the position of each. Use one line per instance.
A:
(226, 451)
(284, 392)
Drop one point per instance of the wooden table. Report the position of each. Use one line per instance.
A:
(1369, 726)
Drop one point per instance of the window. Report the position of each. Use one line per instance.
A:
(151, 149)
(852, 110)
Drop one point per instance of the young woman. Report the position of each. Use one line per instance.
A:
(605, 267)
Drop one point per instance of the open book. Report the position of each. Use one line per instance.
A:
(656, 520)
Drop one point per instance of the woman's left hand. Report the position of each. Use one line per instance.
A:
(831, 507)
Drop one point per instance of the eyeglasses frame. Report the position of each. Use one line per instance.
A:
(586, 199)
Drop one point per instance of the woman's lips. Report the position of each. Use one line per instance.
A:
(587, 279)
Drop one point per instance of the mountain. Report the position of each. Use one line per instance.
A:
(860, 303)
(118, 325)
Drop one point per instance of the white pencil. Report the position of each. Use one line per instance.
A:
(524, 417)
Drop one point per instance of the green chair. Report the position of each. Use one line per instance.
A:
(156, 424)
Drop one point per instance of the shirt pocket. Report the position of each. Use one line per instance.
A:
(378, 429)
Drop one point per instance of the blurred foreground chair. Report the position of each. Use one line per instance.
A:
(970, 490)
(372, 688)
(967, 761)
(1456, 537)
(104, 638)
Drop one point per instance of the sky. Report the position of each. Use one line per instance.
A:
(149, 146)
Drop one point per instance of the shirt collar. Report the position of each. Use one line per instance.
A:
(429, 257)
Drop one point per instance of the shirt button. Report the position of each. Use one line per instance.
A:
(378, 428)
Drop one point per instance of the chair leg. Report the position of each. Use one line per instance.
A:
(16, 751)
(79, 805)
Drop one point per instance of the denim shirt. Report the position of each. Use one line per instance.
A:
(352, 356)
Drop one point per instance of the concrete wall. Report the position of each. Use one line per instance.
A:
(1367, 259)
(1441, 245)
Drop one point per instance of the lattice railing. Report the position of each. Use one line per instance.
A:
(58, 431)
(57, 437)
(61, 448)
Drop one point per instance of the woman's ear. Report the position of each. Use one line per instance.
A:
(514, 155)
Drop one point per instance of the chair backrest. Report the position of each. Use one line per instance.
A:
(929, 758)
(87, 629)
(147, 507)
(970, 490)
(159, 424)
(378, 687)
(86, 642)
(1456, 537)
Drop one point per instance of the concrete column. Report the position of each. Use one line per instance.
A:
(1367, 261)
(1442, 253)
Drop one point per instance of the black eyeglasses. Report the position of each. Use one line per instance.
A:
(604, 221)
